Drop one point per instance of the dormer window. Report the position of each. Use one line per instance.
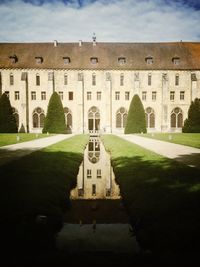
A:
(121, 60)
(66, 60)
(38, 60)
(149, 60)
(13, 59)
(94, 60)
(176, 60)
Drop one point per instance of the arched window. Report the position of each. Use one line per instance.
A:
(68, 117)
(93, 150)
(150, 117)
(121, 117)
(93, 119)
(176, 118)
(38, 118)
(16, 114)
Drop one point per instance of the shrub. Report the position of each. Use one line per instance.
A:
(8, 122)
(192, 123)
(55, 119)
(136, 122)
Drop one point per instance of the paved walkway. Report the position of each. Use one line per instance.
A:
(11, 152)
(185, 154)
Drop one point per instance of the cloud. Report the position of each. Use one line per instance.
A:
(114, 20)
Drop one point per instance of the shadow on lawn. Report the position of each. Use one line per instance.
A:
(162, 198)
(34, 194)
(192, 159)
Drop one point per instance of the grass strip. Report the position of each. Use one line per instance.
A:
(9, 139)
(187, 139)
(162, 197)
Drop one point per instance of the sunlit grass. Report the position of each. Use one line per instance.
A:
(8, 139)
(187, 139)
(163, 194)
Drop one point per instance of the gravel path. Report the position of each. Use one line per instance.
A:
(11, 152)
(185, 154)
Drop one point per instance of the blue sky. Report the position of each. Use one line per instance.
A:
(111, 20)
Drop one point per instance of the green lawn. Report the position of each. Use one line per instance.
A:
(188, 139)
(160, 194)
(38, 184)
(8, 139)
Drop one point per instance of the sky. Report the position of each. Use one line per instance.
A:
(110, 20)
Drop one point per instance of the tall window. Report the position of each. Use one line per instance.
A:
(38, 118)
(11, 79)
(182, 95)
(43, 95)
(33, 95)
(93, 79)
(65, 79)
(121, 117)
(37, 79)
(150, 117)
(176, 118)
(127, 95)
(177, 79)
(89, 173)
(70, 95)
(61, 95)
(172, 95)
(117, 95)
(98, 173)
(68, 117)
(153, 96)
(149, 79)
(16, 95)
(144, 96)
(89, 95)
(98, 95)
(50, 76)
(121, 79)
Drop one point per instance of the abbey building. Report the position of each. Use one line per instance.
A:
(96, 82)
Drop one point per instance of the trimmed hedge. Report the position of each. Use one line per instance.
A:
(136, 122)
(55, 119)
(8, 122)
(192, 123)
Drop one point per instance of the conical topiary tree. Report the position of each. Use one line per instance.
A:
(136, 122)
(55, 119)
(192, 123)
(8, 122)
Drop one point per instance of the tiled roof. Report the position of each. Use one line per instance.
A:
(80, 57)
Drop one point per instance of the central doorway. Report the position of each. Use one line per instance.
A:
(93, 120)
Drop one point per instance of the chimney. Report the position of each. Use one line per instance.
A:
(80, 42)
(55, 43)
(94, 39)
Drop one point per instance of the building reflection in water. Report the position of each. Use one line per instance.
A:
(95, 179)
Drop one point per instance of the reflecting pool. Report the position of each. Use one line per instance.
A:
(96, 179)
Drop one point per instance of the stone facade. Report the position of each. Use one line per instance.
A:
(98, 98)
